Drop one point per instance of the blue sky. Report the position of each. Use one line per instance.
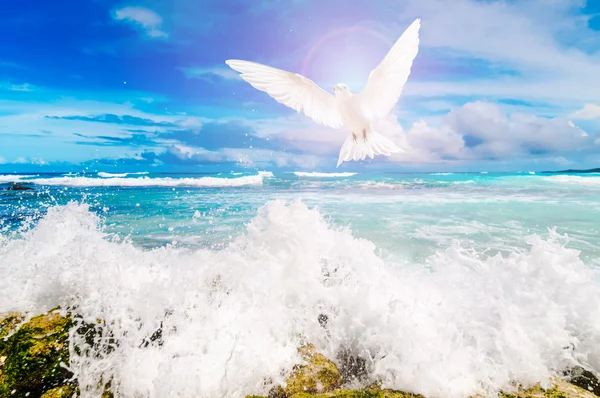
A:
(113, 85)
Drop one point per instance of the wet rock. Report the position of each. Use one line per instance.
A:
(318, 375)
(585, 379)
(371, 392)
(352, 367)
(18, 187)
(323, 319)
(60, 392)
(320, 378)
(560, 389)
(34, 355)
(8, 325)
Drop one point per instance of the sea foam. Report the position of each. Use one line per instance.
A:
(12, 178)
(109, 175)
(315, 174)
(152, 182)
(458, 325)
(574, 179)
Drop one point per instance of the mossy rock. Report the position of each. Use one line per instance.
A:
(8, 325)
(373, 392)
(318, 375)
(365, 393)
(32, 358)
(60, 392)
(560, 389)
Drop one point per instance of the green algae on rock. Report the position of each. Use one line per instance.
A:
(318, 375)
(365, 393)
(8, 325)
(33, 357)
(320, 378)
(60, 392)
(560, 389)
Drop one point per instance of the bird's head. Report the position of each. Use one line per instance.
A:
(341, 89)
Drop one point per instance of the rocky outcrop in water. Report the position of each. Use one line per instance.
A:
(17, 187)
(34, 354)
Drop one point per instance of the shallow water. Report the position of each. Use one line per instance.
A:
(449, 284)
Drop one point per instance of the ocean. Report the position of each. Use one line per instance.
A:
(447, 284)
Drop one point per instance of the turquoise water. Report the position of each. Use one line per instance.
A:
(448, 285)
(408, 216)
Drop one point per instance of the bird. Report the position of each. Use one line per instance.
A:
(344, 109)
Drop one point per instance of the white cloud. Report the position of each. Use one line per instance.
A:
(540, 41)
(195, 154)
(423, 143)
(17, 87)
(588, 112)
(562, 161)
(504, 136)
(192, 123)
(476, 131)
(147, 19)
(265, 157)
(473, 132)
(209, 74)
(22, 87)
(2, 160)
(245, 157)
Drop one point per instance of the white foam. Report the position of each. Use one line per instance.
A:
(381, 184)
(441, 174)
(463, 182)
(315, 174)
(152, 182)
(110, 175)
(574, 179)
(460, 325)
(12, 178)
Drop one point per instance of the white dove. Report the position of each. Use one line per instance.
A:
(353, 111)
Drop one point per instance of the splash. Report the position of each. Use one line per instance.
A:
(458, 325)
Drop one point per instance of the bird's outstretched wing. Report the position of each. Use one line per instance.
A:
(290, 89)
(387, 80)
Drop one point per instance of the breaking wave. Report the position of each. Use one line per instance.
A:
(109, 175)
(13, 178)
(151, 182)
(574, 179)
(316, 174)
(459, 325)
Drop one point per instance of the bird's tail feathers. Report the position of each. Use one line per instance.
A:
(375, 144)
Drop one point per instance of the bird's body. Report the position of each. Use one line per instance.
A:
(355, 112)
(350, 110)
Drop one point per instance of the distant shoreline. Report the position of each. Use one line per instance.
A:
(597, 170)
